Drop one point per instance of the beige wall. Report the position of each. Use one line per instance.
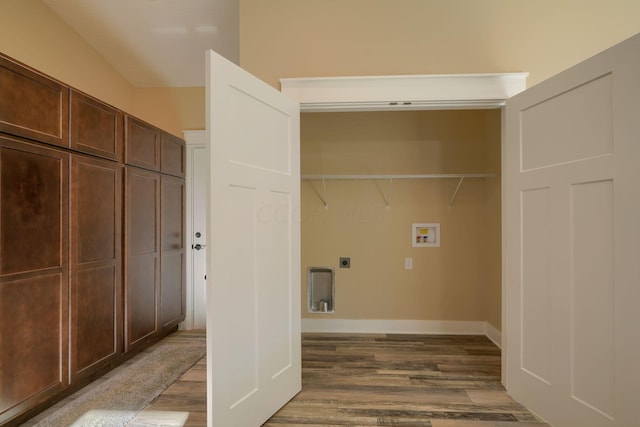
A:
(452, 282)
(293, 38)
(32, 34)
(173, 109)
(493, 224)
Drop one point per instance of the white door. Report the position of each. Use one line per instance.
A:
(196, 213)
(572, 243)
(253, 274)
(200, 174)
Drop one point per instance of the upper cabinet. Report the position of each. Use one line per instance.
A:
(142, 144)
(32, 105)
(96, 128)
(172, 159)
(153, 149)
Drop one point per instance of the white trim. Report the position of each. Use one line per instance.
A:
(493, 334)
(392, 176)
(193, 138)
(378, 326)
(412, 92)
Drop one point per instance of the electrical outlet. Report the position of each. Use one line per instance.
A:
(408, 263)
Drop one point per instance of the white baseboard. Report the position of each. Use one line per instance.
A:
(493, 334)
(376, 326)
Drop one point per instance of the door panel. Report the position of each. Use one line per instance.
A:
(33, 105)
(555, 122)
(33, 274)
(142, 144)
(31, 194)
(254, 247)
(199, 220)
(571, 182)
(172, 155)
(96, 285)
(172, 286)
(96, 128)
(31, 355)
(142, 247)
(96, 328)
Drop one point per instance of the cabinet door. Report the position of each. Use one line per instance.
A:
(172, 155)
(172, 290)
(33, 106)
(96, 128)
(142, 143)
(142, 247)
(96, 287)
(33, 275)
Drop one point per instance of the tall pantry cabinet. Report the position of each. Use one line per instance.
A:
(91, 238)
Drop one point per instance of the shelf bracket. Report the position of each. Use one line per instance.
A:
(324, 193)
(388, 200)
(455, 193)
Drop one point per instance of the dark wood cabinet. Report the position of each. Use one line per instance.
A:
(32, 105)
(96, 128)
(172, 155)
(33, 274)
(142, 144)
(155, 255)
(142, 251)
(92, 257)
(172, 254)
(96, 246)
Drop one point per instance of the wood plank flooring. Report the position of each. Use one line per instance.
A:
(364, 380)
(376, 380)
(407, 380)
(188, 394)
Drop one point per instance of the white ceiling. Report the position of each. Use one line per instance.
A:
(155, 42)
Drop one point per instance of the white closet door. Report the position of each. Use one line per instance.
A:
(253, 273)
(200, 174)
(572, 254)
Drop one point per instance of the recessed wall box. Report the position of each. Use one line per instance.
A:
(320, 290)
(425, 235)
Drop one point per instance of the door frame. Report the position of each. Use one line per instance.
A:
(376, 93)
(448, 97)
(193, 139)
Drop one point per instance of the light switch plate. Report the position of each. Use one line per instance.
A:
(408, 263)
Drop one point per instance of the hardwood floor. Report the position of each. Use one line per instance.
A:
(377, 380)
(188, 394)
(363, 380)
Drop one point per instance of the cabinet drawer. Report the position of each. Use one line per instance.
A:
(32, 105)
(96, 128)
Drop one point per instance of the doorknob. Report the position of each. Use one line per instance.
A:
(198, 246)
